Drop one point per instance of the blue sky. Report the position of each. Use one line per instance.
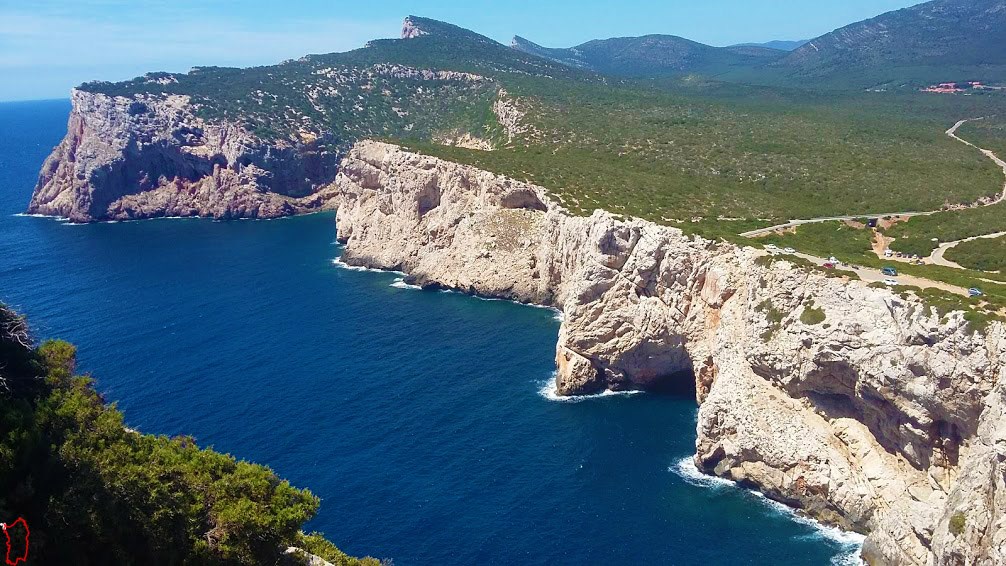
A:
(49, 46)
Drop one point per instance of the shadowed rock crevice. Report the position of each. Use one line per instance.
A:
(523, 198)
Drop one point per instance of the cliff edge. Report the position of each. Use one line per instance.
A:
(863, 408)
(147, 156)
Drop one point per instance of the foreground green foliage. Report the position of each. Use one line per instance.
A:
(95, 492)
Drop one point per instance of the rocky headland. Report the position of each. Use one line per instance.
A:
(136, 157)
(863, 408)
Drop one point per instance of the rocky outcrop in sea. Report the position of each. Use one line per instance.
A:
(864, 408)
(146, 156)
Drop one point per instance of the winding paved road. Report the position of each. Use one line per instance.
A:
(952, 132)
(874, 275)
(937, 256)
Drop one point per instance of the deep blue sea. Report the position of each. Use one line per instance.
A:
(417, 417)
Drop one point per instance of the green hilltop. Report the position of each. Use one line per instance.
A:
(653, 56)
(943, 40)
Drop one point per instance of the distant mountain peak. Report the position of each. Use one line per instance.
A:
(416, 27)
(780, 45)
(411, 29)
(570, 57)
(940, 40)
(649, 55)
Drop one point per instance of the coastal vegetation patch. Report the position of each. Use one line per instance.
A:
(984, 254)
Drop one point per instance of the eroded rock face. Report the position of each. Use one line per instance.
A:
(884, 417)
(150, 156)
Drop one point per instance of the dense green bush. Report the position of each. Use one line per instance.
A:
(957, 523)
(812, 316)
(95, 492)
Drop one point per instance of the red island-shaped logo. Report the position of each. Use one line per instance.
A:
(16, 551)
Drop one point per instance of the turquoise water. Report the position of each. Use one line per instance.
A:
(417, 417)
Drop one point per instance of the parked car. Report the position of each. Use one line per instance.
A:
(829, 265)
(888, 253)
(890, 282)
(833, 259)
(872, 223)
(975, 292)
(790, 250)
(771, 247)
(889, 271)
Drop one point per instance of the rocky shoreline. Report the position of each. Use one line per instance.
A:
(863, 408)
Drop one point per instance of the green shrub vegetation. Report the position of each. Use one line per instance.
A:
(826, 239)
(95, 492)
(812, 316)
(851, 245)
(957, 523)
(774, 317)
(986, 254)
(729, 152)
(988, 133)
(922, 234)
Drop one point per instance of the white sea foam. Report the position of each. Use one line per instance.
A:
(558, 313)
(343, 265)
(401, 284)
(686, 469)
(851, 543)
(60, 219)
(490, 299)
(548, 390)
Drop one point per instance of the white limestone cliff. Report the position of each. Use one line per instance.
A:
(146, 156)
(863, 408)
